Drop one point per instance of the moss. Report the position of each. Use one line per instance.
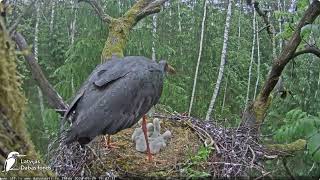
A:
(119, 30)
(260, 109)
(297, 145)
(12, 105)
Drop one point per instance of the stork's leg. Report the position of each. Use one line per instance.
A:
(109, 144)
(144, 129)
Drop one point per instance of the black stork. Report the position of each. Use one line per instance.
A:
(115, 96)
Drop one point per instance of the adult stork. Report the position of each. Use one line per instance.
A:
(114, 97)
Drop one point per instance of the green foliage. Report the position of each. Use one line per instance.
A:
(197, 161)
(310, 28)
(68, 65)
(298, 124)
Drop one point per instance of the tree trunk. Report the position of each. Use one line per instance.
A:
(199, 56)
(280, 25)
(74, 21)
(223, 61)
(179, 17)
(258, 59)
(36, 55)
(252, 56)
(14, 136)
(119, 28)
(53, 6)
(154, 35)
(72, 35)
(255, 113)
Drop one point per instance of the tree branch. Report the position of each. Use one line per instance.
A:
(99, 10)
(309, 49)
(261, 104)
(263, 14)
(286, 55)
(151, 8)
(53, 98)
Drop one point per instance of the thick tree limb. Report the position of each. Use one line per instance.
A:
(151, 8)
(120, 28)
(261, 104)
(309, 49)
(54, 99)
(99, 10)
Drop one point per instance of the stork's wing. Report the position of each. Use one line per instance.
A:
(73, 104)
(107, 77)
(101, 76)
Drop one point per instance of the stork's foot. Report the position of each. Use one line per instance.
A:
(108, 144)
(111, 146)
(149, 158)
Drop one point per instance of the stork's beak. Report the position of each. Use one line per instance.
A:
(171, 70)
(21, 155)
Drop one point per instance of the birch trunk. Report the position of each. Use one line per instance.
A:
(252, 56)
(258, 59)
(239, 26)
(179, 17)
(224, 95)
(223, 61)
(199, 56)
(52, 16)
(154, 34)
(72, 35)
(280, 25)
(36, 56)
(74, 21)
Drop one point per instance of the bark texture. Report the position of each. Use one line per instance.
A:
(255, 113)
(222, 61)
(13, 134)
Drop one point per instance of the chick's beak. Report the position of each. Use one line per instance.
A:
(171, 70)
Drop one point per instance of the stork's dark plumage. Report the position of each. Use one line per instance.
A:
(115, 96)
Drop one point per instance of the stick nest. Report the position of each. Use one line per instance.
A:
(237, 152)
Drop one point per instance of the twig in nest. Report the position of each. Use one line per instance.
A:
(253, 157)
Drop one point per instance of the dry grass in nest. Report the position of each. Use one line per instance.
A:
(126, 160)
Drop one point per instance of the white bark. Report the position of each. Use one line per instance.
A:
(258, 59)
(252, 55)
(280, 25)
(52, 16)
(179, 17)
(154, 34)
(199, 55)
(239, 26)
(222, 62)
(224, 95)
(73, 23)
(293, 6)
(119, 6)
(36, 56)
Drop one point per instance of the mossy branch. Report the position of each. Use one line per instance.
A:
(119, 28)
(293, 147)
